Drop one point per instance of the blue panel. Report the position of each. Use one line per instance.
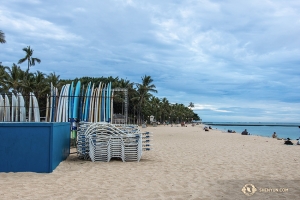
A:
(33, 147)
(60, 143)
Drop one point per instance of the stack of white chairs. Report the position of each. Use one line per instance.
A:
(132, 147)
(117, 147)
(102, 141)
(99, 148)
(83, 141)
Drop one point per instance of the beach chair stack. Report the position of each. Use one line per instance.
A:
(83, 141)
(103, 141)
(132, 147)
(117, 147)
(99, 148)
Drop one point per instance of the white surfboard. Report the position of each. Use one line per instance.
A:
(7, 108)
(60, 105)
(13, 107)
(91, 104)
(51, 103)
(36, 110)
(1, 108)
(65, 116)
(22, 108)
(30, 107)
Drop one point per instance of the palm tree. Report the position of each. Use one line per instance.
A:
(15, 79)
(191, 105)
(54, 79)
(29, 58)
(154, 104)
(40, 85)
(3, 78)
(165, 109)
(143, 92)
(2, 37)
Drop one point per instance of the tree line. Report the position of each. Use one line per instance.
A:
(141, 100)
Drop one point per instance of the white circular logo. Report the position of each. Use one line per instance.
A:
(249, 189)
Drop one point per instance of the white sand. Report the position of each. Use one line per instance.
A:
(185, 163)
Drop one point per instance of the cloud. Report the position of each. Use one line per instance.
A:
(209, 107)
(34, 27)
(233, 59)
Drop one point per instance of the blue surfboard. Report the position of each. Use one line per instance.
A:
(70, 100)
(81, 104)
(76, 101)
(108, 102)
(87, 102)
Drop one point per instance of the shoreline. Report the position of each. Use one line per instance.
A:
(237, 133)
(283, 132)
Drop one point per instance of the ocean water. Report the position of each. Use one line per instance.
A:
(283, 130)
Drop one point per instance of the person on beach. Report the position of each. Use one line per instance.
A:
(274, 135)
(288, 141)
(245, 132)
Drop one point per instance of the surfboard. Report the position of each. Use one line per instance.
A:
(7, 108)
(103, 104)
(84, 102)
(90, 106)
(76, 101)
(87, 102)
(70, 106)
(74, 117)
(22, 108)
(96, 114)
(93, 105)
(1, 108)
(30, 108)
(108, 107)
(47, 109)
(13, 107)
(100, 103)
(17, 109)
(81, 107)
(51, 109)
(107, 103)
(36, 110)
(66, 103)
(56, 98)
(59, 107)
(112, 106)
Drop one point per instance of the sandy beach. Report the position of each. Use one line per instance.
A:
(185, 163)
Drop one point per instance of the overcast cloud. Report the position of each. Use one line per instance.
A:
(235, 60)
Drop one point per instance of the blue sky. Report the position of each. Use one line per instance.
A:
(235, 60)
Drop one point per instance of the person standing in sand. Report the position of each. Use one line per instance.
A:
(274, 135)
